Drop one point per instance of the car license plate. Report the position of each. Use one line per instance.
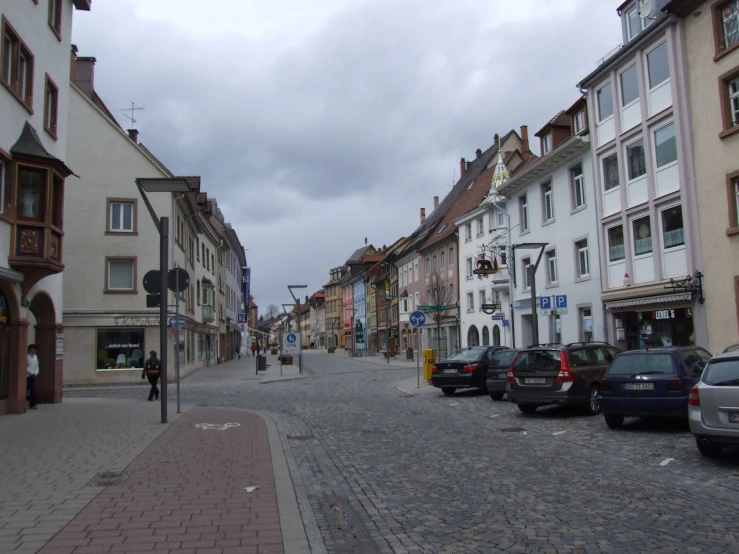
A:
(639, 386)
(535, 381)
(501, 375)
(733, 417)
(450, 371)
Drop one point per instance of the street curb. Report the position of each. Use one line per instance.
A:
(268, 381)
(417, 392)
(294, 537)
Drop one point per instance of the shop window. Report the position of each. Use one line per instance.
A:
(120, 348)
(496, 336)
(30, 193)
(673, 233)
(586, 324)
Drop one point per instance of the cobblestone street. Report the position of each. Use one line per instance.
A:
(378, 470)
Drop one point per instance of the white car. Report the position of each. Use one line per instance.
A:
(713, 404)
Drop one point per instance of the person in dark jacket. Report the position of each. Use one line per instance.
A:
(151, 371)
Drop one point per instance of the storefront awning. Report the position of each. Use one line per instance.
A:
(645, 300)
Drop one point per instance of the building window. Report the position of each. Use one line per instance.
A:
(673, 233)
(633, 22)
(121, 348)
(580, 121)
(733, 190)
(480, 227)
(665, 145)
(605, 102)
(578, 186)
(469, 268)
(524, 213)
(443, 262)
(18, 62)
(730, 101)
(629, 85)
(30, 188)
(51, 103)
(470, 302)
(546, 143)
(3, 177)
(121, 274)
(586, 324)
(636, 160)
(728, 23)
(451, 255)
(502, 255)
(526, 262)
(547, 202)
(658, 66)
(501, 220)
(583, 260)
(121, 217)
(616, 248)
(468, 232)
(452, 299)
(435, 266)
(642, 229)
(481, 298)
(610, 172)
(55, 17)
(415, 270)
(428, 265)
(552, 267)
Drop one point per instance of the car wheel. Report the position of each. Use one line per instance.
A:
(592, 400)
(710, 450)
(614, 421)
(448, 390)
(527, 408)
(496, 395)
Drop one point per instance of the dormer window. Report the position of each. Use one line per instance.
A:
(546, 143)
(580, 121)
(633, 22)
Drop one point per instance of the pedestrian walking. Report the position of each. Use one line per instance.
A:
(253, 348)
(259, 348)
(151, 372)
(31, 373)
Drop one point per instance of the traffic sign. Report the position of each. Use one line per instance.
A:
(432, 308)
(242, 318)
(178, 279)
(545, 305)
(560, 303)
(153, 282)
(498, 317)
(506, 323)
(291, 344)
(417, 319)
(179, 322)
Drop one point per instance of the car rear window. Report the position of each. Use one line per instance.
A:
(634, 364)
(543, 360)
(720, 371)
(467, 355)
(504, 357)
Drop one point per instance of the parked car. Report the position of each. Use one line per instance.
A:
(497, 368)
(465, 368)
(713, 404)
(651, 383)
(565, 374)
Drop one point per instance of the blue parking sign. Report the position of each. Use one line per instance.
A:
(545, 302)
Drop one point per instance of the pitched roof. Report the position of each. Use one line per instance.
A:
(356, 257)
(559, 120)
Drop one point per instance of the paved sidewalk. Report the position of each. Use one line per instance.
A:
(410, 386)
(95, 476)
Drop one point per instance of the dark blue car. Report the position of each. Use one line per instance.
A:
(650, 383)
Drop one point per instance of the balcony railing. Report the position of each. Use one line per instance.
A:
(208, 313)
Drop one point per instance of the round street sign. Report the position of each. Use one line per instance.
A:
(152, 281)
(173, 275)
(417, 319)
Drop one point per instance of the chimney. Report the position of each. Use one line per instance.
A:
(436, 203)
(73, 62)
(478, 153)
(84, 74)
(134, 135)
(306, 299)
(423, 215)
(462, 167)
(525, 142)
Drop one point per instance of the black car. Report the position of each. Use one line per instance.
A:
(466, 368)
(565, 374)
(497, 368)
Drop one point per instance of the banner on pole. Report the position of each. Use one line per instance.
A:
(246, 286)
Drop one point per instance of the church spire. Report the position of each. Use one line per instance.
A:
(500, 176)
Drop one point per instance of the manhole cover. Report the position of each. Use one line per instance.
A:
(512, 429)
(108, 479)
(300, 437)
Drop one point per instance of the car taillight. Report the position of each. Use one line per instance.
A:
(674, 384)
(469, 368)
(490, 373)
(605, 384)
(694, 398)
(435, 370)
(565, 373)
(509, 374)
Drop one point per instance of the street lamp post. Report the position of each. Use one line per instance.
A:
(297, 302)
(153, 185)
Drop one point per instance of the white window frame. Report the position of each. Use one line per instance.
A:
(120, 208)
(133, 274)
(526, 262)
(609, 245)
(733, 100)
(442, 258)
(627, 167)
(470, 302)
(621, 86)
(415, 270)
(468, 232)
(578, 185)
(501, 220)
(524, 208)
(630, 34)
(470, 267)
(482, 299)
(654, 146)
(602, 119)
(480, 227)
(552, 277)
(547, 201)
(546, 143)
(580, 121)
(660, 211)
(428, 265)
(634, 236)
(649, 86)
(580, 250)
(603, 158)
(451, 256)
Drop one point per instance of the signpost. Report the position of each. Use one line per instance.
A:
(241, 318)
(417, 319)
(431, 309)
(498, 317)
(177, 279)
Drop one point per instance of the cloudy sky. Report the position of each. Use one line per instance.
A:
(319, 124)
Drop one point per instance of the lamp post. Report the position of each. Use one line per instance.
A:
(155, 185)
(494, 201)
(297, 302)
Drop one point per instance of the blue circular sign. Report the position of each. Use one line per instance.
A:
(291, 338)
(417, 319)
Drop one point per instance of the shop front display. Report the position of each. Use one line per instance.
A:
(659, 328)
(121, 348)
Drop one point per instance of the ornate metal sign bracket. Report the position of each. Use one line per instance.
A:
(692, 284)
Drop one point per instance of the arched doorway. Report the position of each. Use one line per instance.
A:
(473, 336)
(496, 336)
(485, 336)
(43, 331)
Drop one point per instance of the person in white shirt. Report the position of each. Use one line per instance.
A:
(31, 373)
